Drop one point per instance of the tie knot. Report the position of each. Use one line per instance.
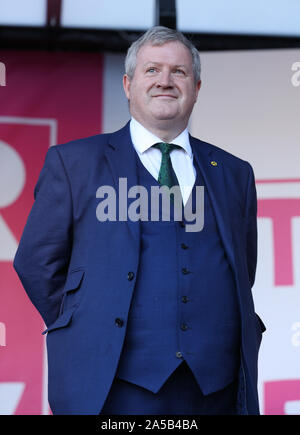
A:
(166, 148)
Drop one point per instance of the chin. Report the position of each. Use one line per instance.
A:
(163, 115)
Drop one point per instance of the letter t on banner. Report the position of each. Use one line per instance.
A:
(280, 396)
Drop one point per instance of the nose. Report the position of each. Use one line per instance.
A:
(165, 79)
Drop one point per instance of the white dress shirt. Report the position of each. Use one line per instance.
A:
(182, 159)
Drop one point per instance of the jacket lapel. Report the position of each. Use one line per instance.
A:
(212, 170)
(121, 157)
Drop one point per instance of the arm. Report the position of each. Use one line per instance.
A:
(251, 216)
(44, 251)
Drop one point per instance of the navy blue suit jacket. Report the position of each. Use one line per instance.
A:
(80, 273)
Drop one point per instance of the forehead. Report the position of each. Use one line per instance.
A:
(173, 53)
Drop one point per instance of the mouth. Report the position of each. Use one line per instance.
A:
(165, 96)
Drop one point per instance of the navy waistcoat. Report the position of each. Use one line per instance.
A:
(184, 305)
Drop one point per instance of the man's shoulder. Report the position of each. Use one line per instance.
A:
(219, 153)
(86, 147)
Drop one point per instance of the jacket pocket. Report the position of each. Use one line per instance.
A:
(72, 285)
(70, 300)
(61, 321)
(73, 280)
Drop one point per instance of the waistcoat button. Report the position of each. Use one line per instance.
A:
(183, 326)
(130, 276)
(119, 322)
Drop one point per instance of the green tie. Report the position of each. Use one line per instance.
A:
(166, 176)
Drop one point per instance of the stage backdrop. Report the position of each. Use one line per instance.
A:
(248, 105)
(49, 98)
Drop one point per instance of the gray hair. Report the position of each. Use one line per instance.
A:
(157, 36)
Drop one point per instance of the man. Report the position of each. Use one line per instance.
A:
(143, 316)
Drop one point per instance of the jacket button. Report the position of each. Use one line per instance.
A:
(184, 299)
(178, 355)
(185, 271)
(182, 224)
(130, 276)
(184, 246)
(183, 326)
(119, 322)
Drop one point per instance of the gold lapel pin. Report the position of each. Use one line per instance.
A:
(213, 163)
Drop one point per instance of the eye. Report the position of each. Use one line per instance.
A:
(179, 71)
(151, 69)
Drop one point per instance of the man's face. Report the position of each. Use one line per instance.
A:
(162, 91)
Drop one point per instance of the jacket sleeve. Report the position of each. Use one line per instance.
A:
(251, 220)
(43, 255)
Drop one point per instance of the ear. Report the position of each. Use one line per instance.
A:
(198, 86)
(126, 85)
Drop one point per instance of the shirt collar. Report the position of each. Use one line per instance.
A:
(143, 139)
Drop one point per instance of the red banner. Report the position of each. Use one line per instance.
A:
(49, 98)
